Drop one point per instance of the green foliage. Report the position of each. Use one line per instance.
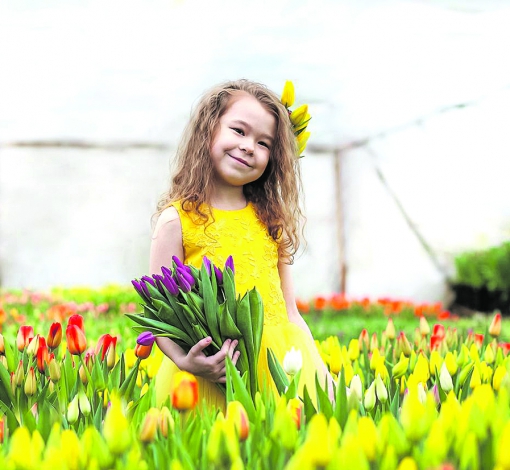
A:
(489, 268)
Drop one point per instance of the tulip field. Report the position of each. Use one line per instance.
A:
(415, 387)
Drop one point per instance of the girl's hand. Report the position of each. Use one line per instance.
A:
(212, 368)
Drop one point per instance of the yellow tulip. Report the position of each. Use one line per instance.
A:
(370, 397)
(380, 389)
(435, 361)
(184, 392)
(284, 428)
(30, 383)
(421, 369)
(498, 376)
(298, 116)
(367, 435)
(400, 368)
(476, 379)
(353, 349)
(424, 327)
(451, 363)
(116, 428)
(390, 329)
(20, 451)
(288, 94)
(489, 355)
(149, 425)
(302, 141)
(407, 463)
(71, 450)
(502, 454)
(238, 416)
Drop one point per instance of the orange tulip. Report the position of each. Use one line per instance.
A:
(478, 340)
(25, 335)
(2, 344)
(76, 320)
(295, 407)
(143, 352)
(495, 327)
(2, 426)
(54, 336)
(237, 415)
(76, 341)
(320, 302)
(42, 355)
(184, 391)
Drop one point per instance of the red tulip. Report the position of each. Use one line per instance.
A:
(76, 341)
(106, 346)
(495, 327)
(438, 330)
(76, 320)
(42, 355)
(54, 336)
(2, 344)
(25, 335)
(184, 391)
(435, 342)
(363, 339)
(478, 340)
(143, 352)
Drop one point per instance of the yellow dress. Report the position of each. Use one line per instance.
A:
(241, 234)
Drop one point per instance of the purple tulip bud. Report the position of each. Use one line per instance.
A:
(159, 282)
(207, 264)
(181, 281)
(181, 265)
(145, 290)
(149, 279)
(189, 278)
(230, 264)
(166, 271)
(171, 285)
(219, 275)
(138, 287)
(146, 338)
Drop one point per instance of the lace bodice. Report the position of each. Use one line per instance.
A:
(241, 234)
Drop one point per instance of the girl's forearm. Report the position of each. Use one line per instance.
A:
(298, 320)
(172, 350)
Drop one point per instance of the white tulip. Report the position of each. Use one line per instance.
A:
(356, 387)
(293, 361)
(445, 379)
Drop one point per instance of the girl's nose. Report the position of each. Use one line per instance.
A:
(246, 146)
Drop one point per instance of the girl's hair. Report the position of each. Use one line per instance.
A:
(276, 194)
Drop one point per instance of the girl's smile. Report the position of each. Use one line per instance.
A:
(241, 146)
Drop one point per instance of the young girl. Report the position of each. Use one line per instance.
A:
(236, 192)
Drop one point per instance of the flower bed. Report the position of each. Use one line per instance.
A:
(81, 395)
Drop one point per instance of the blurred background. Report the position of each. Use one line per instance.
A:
(407, 166)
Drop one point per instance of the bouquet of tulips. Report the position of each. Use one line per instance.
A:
(187, 304)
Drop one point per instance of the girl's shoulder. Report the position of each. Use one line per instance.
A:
(168, 217)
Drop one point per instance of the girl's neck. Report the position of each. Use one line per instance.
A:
(230, 199)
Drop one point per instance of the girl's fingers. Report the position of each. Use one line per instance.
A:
(200, 346)
(232, 348)
(236, 357)
(222, 353)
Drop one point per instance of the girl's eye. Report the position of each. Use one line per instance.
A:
(264, 144)
(239, 131)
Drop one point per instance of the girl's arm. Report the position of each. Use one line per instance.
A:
(167, 242)
(290, 301)
(293, 312)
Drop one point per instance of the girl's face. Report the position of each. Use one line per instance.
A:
(242, 144)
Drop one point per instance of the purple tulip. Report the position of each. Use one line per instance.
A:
(435, 393)
(230, 264)
(182, 282)
(219, 275)
(189, 278)
(181, 265)
(138, 287)
(166, 271)
(146, 338)
(149, 279)
(145, 291)
(171, 285)
(207, 263)
(159, 282)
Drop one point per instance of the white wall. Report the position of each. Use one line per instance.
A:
(389, 72)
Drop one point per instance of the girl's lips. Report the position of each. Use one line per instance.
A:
(240, 160)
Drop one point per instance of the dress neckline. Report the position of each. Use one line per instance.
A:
(231, 211)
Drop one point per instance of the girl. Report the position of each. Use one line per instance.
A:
(235, 191)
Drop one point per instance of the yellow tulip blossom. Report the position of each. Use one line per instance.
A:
(421, 369)
(451, 362)
(407, 463)
(353, 350)
(116, 430)
(498, 376)
(367, 435)
(298, 116)
(288, 94)
(435, 362)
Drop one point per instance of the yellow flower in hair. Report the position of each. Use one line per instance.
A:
(298, 116)
(288, 94)
(302, 140)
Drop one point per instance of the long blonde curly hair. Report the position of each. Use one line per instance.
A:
(276, 195)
